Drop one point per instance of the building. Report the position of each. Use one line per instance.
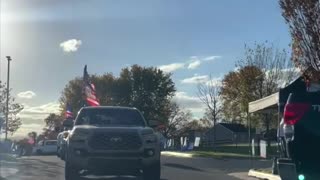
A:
(225, 133)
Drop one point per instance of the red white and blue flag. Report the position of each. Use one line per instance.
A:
(89, 90)
(68, 113)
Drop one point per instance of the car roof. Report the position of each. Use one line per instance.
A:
(109, 107)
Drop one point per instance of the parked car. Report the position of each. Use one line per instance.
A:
(61, 138)
(301, 131)
(46, 147)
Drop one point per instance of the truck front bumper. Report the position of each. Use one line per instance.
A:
(125, 162)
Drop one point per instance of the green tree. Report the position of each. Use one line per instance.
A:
(146, 88)
(150, 90)
(303, 18)
(14, 121)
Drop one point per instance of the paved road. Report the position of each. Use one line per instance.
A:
(173, 168)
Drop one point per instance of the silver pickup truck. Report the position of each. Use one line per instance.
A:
(112, 141)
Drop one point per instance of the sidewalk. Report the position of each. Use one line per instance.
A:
(6, 172)
(262, 175)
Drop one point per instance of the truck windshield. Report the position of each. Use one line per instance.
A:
(110, 117)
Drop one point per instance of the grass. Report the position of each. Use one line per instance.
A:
(7, 157)
(231, 151)
(218, 155)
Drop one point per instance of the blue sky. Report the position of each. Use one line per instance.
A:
(112, 34)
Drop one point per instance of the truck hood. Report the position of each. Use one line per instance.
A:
(91, 128)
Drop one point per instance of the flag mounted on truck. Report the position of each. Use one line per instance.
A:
(68, 114)
(89, 90)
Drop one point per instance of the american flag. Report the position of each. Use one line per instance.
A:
(68, 113)
(89, 90)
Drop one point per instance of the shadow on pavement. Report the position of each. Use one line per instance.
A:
(114, 178)
(180, 166)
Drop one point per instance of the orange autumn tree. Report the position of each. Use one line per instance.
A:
(303, 18)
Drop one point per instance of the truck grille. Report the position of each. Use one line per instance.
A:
(115, 141)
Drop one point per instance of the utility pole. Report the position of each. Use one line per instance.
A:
(8, 90)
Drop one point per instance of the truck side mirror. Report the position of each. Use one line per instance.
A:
(65, 134)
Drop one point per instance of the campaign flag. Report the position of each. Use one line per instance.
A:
(68, 113)
(89, 90)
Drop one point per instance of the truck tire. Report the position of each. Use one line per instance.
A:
(152, 172)
(70, 172)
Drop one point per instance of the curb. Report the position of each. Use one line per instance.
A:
(176, 154)
(262, 175)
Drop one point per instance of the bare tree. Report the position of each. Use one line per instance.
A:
(275, 65)
(177, 119)
(209, 95)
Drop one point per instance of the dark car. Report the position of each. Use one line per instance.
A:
(302, 135)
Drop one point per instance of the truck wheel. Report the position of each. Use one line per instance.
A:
(152, 172)
(70, 172)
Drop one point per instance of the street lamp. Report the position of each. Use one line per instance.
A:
(7, 103)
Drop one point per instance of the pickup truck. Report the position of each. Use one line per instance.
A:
(112, 141)
(302, 137)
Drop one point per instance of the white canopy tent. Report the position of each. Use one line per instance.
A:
(265, 104)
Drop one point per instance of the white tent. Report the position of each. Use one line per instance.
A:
(265, 104)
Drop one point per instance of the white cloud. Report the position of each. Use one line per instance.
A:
(44, 109)
(214, 81)
(191, 103)
(211, 58)
(71, 45)
(33, 117)
(196, 79)
(26, 94)
(194, 64)
(26, 128)
(172, 67)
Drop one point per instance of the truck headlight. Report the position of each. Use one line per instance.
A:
(79, 135)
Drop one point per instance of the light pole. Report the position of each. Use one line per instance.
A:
(8, 90)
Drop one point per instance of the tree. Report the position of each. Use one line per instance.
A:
(303, 18)
(209, 95)
(14, 121)
(150, 90)
(146, 88)
(238, 89)
(277, 69)
(177, 118)
(53, 126)
(53, 121)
